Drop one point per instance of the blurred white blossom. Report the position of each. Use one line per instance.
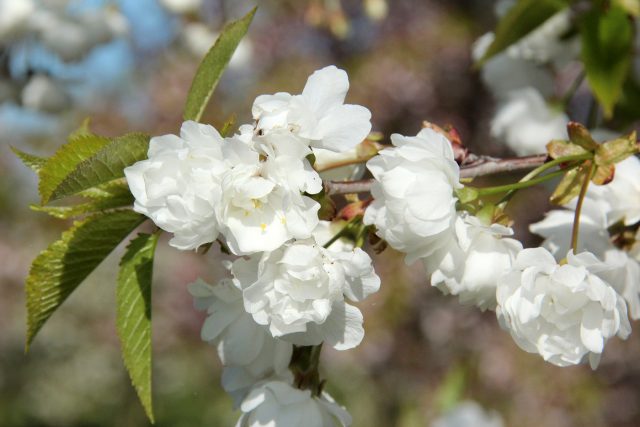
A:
(468, 414)
(526, 123)
(182, 6)
(14, 14)
(503, 73)
(620, 199)
(42, 93)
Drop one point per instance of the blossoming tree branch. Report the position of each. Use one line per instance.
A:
(267, 193)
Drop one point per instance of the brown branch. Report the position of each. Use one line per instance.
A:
(489, 165)
(478, 166)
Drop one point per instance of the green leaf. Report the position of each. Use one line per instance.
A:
(569, 186)
(35, 163)
(213, 65)
(134, 314)
(58, 270)
(524, 17)
(65, 160)
(89, 160)
(467, 194)
(607, 44)
(107, 164)
(119, 197)
(107, 190)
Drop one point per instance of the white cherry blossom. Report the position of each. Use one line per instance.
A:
(414, 202)
(318, 114)
(475, 256)
(278, 404)
(299, 290)
(565, 313)
(623, 272)
(180, 185)
(199, 185)
(247, 350)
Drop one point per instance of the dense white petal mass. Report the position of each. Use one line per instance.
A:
(239, 339)
(199, 185)
(246, 349)
(180, 185)
(623, 272)
(470, 263)
(564, 312)
(298, 290)
(468, 414)
(525, 123)
(318, 114)
(414, 202)
(278, 404)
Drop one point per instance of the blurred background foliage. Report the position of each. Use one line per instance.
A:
(408, 61)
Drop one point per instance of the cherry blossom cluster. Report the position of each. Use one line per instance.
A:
(564, 308)
(296, 278)
(293, 286)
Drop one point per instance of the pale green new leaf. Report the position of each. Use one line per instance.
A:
(607, 44)
(213, 65)
(521, 19)
(34, 163)
(134, 314)
(89, 160)
(58, 270)
(615, 151)
(102, 199)
(569, 186)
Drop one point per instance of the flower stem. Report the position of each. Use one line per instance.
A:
(344, 230)
(546, 166)
(486, 191)
(340, 164)
(576, 219)
(305, 364)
